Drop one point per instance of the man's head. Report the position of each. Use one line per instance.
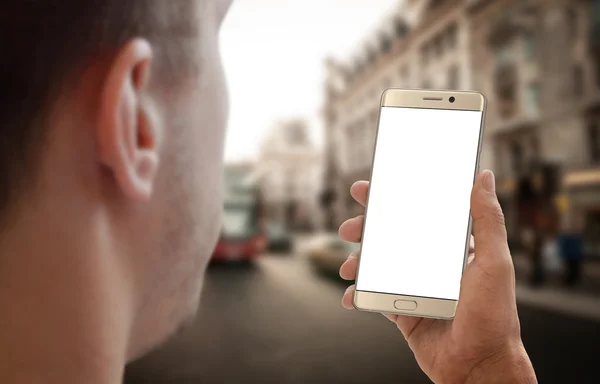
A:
(112, 118)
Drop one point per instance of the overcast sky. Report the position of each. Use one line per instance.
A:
(273, 48)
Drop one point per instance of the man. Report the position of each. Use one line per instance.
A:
(112, 122)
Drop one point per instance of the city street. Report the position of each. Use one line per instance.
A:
(279, 322)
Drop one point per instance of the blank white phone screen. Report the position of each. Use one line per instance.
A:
(417, 217)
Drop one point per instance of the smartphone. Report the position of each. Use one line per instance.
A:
(416, 233)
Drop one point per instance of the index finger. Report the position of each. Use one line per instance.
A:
(359, 191)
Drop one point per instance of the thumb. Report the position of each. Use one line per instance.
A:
(489, 230)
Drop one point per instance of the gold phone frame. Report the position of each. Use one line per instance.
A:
(423, 306)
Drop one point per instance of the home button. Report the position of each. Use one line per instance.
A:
(405, 305)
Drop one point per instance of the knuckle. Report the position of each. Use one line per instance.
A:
(503, 265)
(496, 213)
(490, 210)
(498, 264)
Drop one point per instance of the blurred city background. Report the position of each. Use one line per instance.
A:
(306, 80)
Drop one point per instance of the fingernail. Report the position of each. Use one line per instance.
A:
(489, 181)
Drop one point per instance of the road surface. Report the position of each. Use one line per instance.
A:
(279, 322)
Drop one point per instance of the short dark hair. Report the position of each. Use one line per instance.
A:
(45, 43)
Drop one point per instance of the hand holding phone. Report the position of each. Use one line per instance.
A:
(482, 344)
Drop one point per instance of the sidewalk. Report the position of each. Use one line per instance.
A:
(560, 300)
(582, 300)
(590, 279)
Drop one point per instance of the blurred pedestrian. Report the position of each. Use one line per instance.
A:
(538, 274)
(544, 237)
(572, 253)
(543, 218)
(553, 263)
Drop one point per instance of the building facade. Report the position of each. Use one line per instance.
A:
(421, 44)
(537, 63)
(289, 172)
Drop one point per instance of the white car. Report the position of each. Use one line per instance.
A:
(327, 252)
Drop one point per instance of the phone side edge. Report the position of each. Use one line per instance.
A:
(477, 170)
(362, 234)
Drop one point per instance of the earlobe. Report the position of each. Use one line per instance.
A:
(146, 153)
(141, 181)
(126, 133)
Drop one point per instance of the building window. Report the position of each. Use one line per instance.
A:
(594, 19)
(535, 147)
(404, 72)
(453, 78)
(289, 185)
(386, 44)
(594, 37)
(371, 55)
(296, 134)
(516, 158)
(367, 145)
(404, 75)
(386, 83)
(504, 55)
(578, 80)
(358, 148)
(532, 100)
(594, 142)
(400, 27)
(572, 23)
(505, 83)
(438, 46)
(597, 67)
(451, 36)
(349, 148)
(530, 46)
(425, 54)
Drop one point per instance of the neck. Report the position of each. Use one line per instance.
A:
(64, 318)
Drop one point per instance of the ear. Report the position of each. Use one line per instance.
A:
(127, 133)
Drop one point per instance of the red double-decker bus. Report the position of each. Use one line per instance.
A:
(243, 235)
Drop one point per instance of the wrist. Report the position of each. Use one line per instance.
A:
(511, 366)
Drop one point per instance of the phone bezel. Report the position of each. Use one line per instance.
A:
(428, 99)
